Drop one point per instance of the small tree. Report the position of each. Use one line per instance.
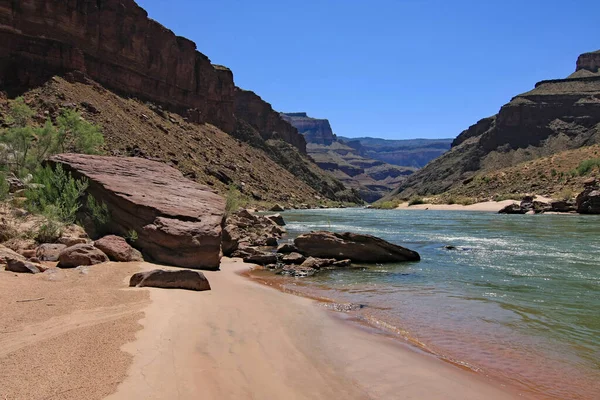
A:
(77, 135)
(25, 147)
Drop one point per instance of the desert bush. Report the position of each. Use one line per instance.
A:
(586, 166)
(131, 236)
(416, 200)
(56, 194)
(25, 146)
(76, 135)
(98, 212)
(4, 186)
(387, 205)
(234, 200)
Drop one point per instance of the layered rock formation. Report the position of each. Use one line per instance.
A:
(178, 222)
(556, 116)
(371, 178)
(268, 123)
(115, 43)
(352, 246)
(315, 130)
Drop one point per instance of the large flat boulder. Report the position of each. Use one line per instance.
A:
(353, 246)
(178, 221)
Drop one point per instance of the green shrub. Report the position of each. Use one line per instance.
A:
(416, 200)
(4, 186)
(98, 212)
(56, 194)
(77, 135)
(387, 205)
(234, 200)
(586, 166)
(131, 236)
(51, 229)
(27, 146)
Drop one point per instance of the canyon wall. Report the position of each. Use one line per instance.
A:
(315, 130)
(116, 44)
(266, 121)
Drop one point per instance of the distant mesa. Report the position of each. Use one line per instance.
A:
(371, 166)
(314, 130)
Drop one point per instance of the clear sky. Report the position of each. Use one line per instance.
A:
(388, 68)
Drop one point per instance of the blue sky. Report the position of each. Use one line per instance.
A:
(393, 69)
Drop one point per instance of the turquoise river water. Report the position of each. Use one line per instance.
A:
(517, 300)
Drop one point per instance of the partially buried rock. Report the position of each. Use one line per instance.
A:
(181, 279)
(353, 246)
(49, 251)
(117, 249)
(80, 254)
(23, 266)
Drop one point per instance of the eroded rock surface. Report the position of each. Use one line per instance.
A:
(178, 221)
(182, 279)
(353, 246)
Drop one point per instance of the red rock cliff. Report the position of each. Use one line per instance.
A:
(115, 43)
(268, 122)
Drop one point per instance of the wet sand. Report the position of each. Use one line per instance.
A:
(79, 335)
(244, 340)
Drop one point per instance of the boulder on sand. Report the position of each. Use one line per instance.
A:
(353, 246)
(80, 254)
(21, 266)
(178, 221)
(181, 279)
(49, 251)
(117, 249)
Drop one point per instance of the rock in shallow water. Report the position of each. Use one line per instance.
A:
(353, 246)
(181, 279)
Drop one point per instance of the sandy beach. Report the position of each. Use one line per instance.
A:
(241, 340)
(488, 206)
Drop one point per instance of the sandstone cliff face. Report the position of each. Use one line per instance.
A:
(557, 115)
(115, 43)
(314, 130)
(589, 61)
(266, 121)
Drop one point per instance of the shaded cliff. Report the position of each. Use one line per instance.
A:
(266, 121)
(557, 115)
(112, 44)
(116, 44)
(314, 130)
